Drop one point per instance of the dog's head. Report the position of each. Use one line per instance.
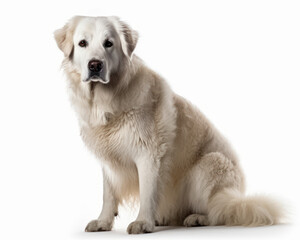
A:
(97, 47)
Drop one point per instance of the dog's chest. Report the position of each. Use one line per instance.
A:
(122, 138)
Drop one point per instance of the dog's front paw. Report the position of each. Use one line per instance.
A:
(98, 226)
(138, 227)
(194, 220)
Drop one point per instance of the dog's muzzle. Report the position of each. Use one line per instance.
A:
(96, 71)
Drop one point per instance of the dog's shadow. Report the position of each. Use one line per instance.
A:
(224, 231)
(279, 230)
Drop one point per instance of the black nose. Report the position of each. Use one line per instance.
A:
(95, 66)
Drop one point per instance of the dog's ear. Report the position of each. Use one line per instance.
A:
(64, 36)
(128, 36)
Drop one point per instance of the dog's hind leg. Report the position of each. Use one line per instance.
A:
(213, 172)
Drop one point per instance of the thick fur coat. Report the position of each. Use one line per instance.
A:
(153, 144)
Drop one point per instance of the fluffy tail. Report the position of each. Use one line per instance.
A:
(230, 207)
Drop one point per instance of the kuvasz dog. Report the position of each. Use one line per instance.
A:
(153, 144)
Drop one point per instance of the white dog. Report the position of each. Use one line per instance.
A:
(153, 144)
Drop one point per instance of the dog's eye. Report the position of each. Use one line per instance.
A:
(108, 44)
(82, 43)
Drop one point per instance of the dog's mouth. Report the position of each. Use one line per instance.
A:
(96, 78)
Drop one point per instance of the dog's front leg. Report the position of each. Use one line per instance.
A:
(148, 169)
(109, 210)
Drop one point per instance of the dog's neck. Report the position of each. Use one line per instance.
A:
(96, 104)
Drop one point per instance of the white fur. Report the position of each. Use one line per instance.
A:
(153, 144)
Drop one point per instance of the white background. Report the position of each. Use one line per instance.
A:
(238, 61)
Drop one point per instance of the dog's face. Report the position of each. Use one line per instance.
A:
(97, 47)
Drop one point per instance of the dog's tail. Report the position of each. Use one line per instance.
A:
(231, 207)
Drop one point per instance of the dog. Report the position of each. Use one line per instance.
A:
(154, 145)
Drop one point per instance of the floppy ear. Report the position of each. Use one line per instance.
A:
(128, 37)
(64, 36)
